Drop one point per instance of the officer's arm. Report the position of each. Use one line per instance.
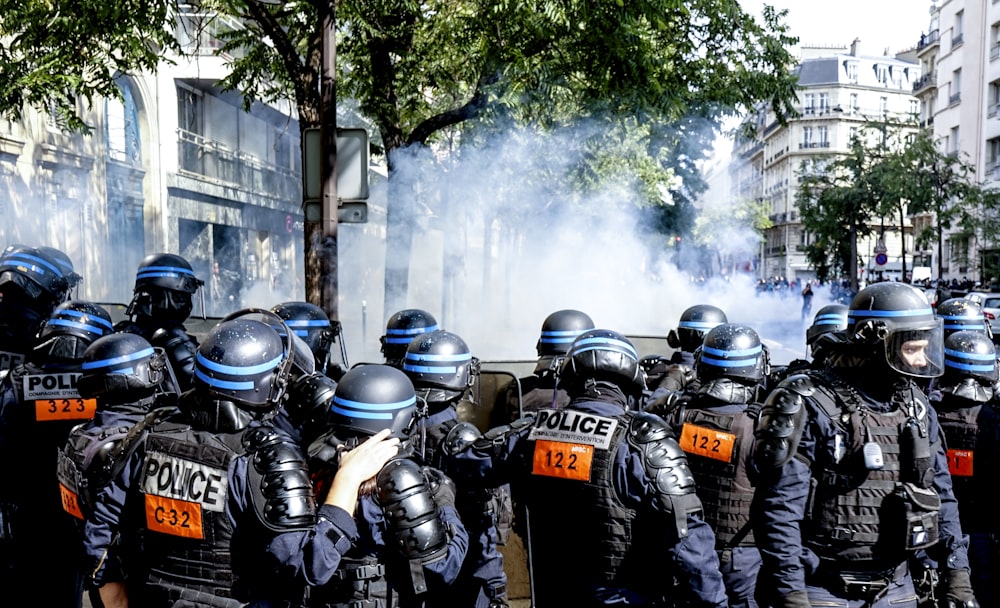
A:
(782, 451)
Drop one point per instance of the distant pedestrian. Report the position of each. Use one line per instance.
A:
(807, 301)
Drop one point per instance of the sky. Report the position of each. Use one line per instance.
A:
(896, 24)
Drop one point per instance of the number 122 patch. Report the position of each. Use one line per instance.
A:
(563, 460)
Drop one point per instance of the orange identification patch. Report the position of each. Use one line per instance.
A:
(70, 501)
(172, 516)
(65, 409)
(563, 460)
(960, 462)
(706, 442)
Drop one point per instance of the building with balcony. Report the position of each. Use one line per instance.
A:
(842, 91)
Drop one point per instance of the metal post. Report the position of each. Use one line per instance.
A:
(328, 109)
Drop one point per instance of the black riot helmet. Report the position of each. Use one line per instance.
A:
(310, 323)
(70, 329)
(243, 360)
(301, 360)
(370, 398)
(123, 367)
(969, 354)
(896, 319)
(400, 329)
(164, 284)
(694, 323)
(732, 351)
(960, 314)
(560, 329)
(38, 273)
(602, 355)
(440, 365)
(830, 318)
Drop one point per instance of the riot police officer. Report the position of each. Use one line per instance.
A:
(829, 320)
(665, 376)
(33, 281)
(853, 475)
(539, 390)
(401, 328)
(232, 519)
(410, 541)
(714, 425)
(614, 514)
(961, 314)
(161, 303)
(311, 323)
(39, 405)
(443, 371)
(969, 413)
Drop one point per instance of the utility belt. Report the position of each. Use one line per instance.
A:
(855, 584)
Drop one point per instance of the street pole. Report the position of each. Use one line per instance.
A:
(328, 117)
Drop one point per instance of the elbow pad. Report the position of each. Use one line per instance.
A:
(279, 484)
(782, 421)
(460, 438)
(666, 464)
(411, 512)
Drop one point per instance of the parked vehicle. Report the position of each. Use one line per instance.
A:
(990, 303)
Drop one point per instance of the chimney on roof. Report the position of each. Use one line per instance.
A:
(856, 47)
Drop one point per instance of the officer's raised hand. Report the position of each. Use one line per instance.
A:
(359, 465)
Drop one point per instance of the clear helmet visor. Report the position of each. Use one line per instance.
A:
(917, 352)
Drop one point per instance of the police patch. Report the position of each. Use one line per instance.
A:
(51, 386)
(571, 426)
(172, 477)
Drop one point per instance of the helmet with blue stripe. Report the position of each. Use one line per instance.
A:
(961, 314)
(370, 398)
(560, 329)
(168, 271)
(244, 361)
(310, 323)
(969, 354)
(694, 323)
(440, 365)
(123, 367)
(830, 318)
(896, 318)
(602, 355)
(38, 271)
(401, 329)
(732, 351)
(70, 329)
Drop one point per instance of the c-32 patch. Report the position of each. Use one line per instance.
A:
(178, 491)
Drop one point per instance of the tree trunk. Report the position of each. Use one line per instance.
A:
(902, 245)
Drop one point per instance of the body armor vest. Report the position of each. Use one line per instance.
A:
(184, 489)
(577, 515)
(358, 583)
(718, 447)
(961, 433)
(850, 519)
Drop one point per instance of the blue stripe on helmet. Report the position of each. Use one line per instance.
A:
(369, 411)
(239, 371)
(831, 319)
(961, 326)
(865, 314)
(699, 324)
(962, 317)
(977, 356)
(124, 370)
(744, 362)
(968, 367)
(297, 323)
(89, 318)
(425, 369)
(603, 343)
(88, 327)
(171, 269)
(33, 261)
(359, 414)
(223, 384)
(146, 352)
(730, 354)
(431, 357)
(410, 331)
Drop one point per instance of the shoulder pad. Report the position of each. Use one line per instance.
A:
(410, 511)
(666, 465)
(279, 484)
(782, 421)
(493, 439)
(646, 427)
(459, 438)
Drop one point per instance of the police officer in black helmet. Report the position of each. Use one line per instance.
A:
(667, 376)
(714, 424)
(234, 521)
(39, 405)
(401, 328)
(615, 519)
(33, 281)
(311, 323)
(853, 474)
(409, 543)
(164, 287)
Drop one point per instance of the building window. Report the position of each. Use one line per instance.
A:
(883, 107)
(824, 137)
(190, 109)
(852, 134)
(851, 67)
(956, 33)
(992, 153)
(855, 108)
(807, 137)
(955, 87)
(824, 103)
(914, 108)
(882, 73)
(121, 123)
(953, 139)
(809, 105)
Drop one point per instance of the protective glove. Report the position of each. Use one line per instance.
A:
(441, 487)
(958, 590)
(796, 599)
